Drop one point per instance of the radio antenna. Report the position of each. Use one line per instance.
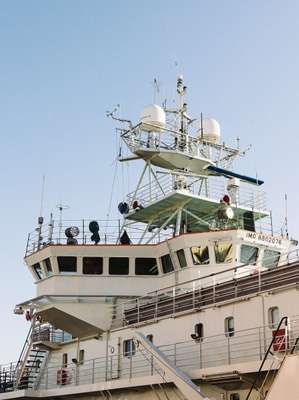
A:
(156, 87)
(42, 196)
(61, 207)
(286, 215)
(40, 219)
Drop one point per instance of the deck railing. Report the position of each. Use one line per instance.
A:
(211, 189)
(225, 349)
(169, 139)
(47, 333)
(53, 233)
(204, 291)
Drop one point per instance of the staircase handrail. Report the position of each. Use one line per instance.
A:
(283, 320)
(24, 354)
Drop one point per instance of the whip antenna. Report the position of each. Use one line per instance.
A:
(42, 197)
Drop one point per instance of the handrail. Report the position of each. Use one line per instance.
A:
(181, 380)
(213, 350)
(286, 259)
(21, 364)
(285, 320)
(295, 345)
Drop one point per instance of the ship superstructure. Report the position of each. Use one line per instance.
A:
(190, 295)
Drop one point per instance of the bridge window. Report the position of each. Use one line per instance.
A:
(118, 266)
(167, 265)
(229, 326)
(129, 348)
(273, 317)
(223, 252)
(38, 270)
(92, 265)
(200, 255)
(234, 396)
(271, 258)
(182, 258)
(248, 254)
(48, 266)
(146, 266)
(67, 264)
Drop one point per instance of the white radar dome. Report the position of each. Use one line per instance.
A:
(210, 130)
(153, 115)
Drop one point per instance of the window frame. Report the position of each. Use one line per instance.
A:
(162, 264)
(146, 258)
(204, 247)
(278, 255)
(271, 322)
(81, 356)
(38, 271)
(229, 332)
(257, 254)
(59, 258)
(127, 267)
(132, 348)
(101, 265)
(64, 360)
(181, 254)
(48, 266)
(232, 246)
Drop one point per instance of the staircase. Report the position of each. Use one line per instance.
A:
(26, 372)
(282, 373)
(33, 367)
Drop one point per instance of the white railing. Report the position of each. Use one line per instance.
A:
(53, 233)
(168, 139)
(213, 189)
(218, 350)
(194, 294)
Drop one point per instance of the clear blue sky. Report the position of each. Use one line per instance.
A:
(64, 63)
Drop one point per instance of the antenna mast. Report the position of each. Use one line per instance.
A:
(156, 86)
(286, 215)
(40, 219)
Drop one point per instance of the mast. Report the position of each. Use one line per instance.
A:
(181, 159)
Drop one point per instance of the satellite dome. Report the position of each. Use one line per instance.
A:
(153, 115)
(210, 130)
